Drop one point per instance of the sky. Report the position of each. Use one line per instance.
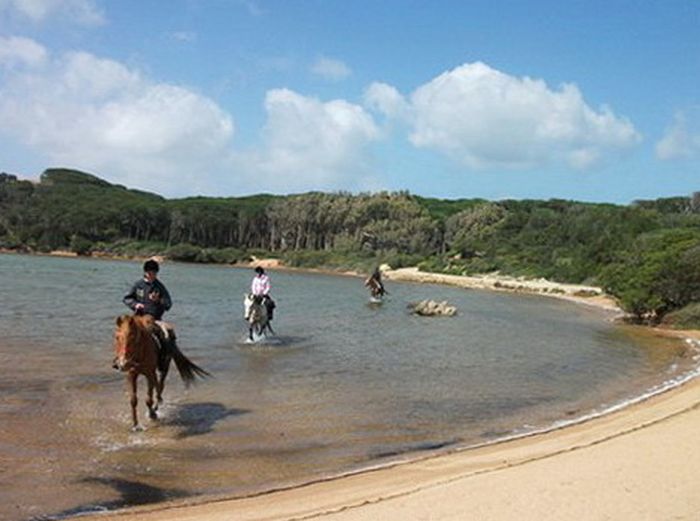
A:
(589, 100)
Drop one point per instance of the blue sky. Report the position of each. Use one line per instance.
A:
(586, 100)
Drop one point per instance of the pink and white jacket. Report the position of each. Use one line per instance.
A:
(260, 285)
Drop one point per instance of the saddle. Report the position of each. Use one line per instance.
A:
(163, 334)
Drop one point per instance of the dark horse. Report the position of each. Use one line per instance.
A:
(137, 352)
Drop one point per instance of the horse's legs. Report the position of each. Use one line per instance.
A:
(250, 332)
(161, 381)
(133, 375)
(152, 382)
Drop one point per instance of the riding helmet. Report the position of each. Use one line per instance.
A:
(151, 265)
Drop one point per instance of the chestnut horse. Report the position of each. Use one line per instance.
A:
(137, 352)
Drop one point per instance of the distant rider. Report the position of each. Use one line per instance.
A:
(375, 284)
(260, 287)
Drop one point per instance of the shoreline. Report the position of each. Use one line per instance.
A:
(588, 295)
(624, 457)
(581, 294)
(622, 460)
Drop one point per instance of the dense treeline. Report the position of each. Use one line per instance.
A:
(646, 253)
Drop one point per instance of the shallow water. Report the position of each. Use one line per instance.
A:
(344, 385)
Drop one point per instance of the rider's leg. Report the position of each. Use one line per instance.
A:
(269, 306)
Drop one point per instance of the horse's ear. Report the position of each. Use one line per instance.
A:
(119, 320)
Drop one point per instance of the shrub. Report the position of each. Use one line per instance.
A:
(183, 252)
(687, 317)
(80, 245)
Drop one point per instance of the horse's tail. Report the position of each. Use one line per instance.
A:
(188, 370)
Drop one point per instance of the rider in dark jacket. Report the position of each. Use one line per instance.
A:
(375, 284)
(149, 296)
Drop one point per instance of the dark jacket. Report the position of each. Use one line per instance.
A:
(139, 295)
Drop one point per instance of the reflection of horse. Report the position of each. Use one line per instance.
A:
(257, 316)
(137, 352)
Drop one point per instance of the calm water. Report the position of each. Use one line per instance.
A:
(344, 385)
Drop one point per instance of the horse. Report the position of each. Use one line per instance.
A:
(376, 289)
(137, 353)
(257, 316)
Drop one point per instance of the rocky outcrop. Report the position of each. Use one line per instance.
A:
(430, 308)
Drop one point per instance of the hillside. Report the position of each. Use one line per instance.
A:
(646, 253)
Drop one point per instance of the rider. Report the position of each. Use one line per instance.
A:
(260, 287)
(374, 283)
(149, 296)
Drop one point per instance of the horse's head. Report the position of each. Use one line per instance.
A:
(126, 341)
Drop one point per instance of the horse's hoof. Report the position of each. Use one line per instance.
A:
(153, 415)
(137, 428)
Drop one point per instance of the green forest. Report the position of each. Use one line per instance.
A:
(647, 254)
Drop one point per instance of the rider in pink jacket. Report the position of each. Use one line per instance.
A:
(261, 283)
(261, 287)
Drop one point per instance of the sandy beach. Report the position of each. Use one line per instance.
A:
(588, 295)
(638, 463)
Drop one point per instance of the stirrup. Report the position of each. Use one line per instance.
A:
(160, 344)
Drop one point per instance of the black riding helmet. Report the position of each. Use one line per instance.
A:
(151, 265)
(259, 270)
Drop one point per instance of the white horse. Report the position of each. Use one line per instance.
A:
(255, 313)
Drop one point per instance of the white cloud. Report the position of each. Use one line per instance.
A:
(387, 100)
(17, 51)
(97, 114)
(681, 140)
(184, 36)
(310, 144)
(485, 118)
(82, 12)
(252, 7)
(330, 69)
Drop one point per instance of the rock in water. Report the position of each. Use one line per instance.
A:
(431, 308)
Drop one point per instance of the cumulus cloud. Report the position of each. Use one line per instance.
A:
(387, 100)
(16, 52)
(330, 69)
(681, 140)
(311, 144)
(99, 115)
(485, 118)
(83, 12)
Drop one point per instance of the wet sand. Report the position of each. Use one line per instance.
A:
(639, 463)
